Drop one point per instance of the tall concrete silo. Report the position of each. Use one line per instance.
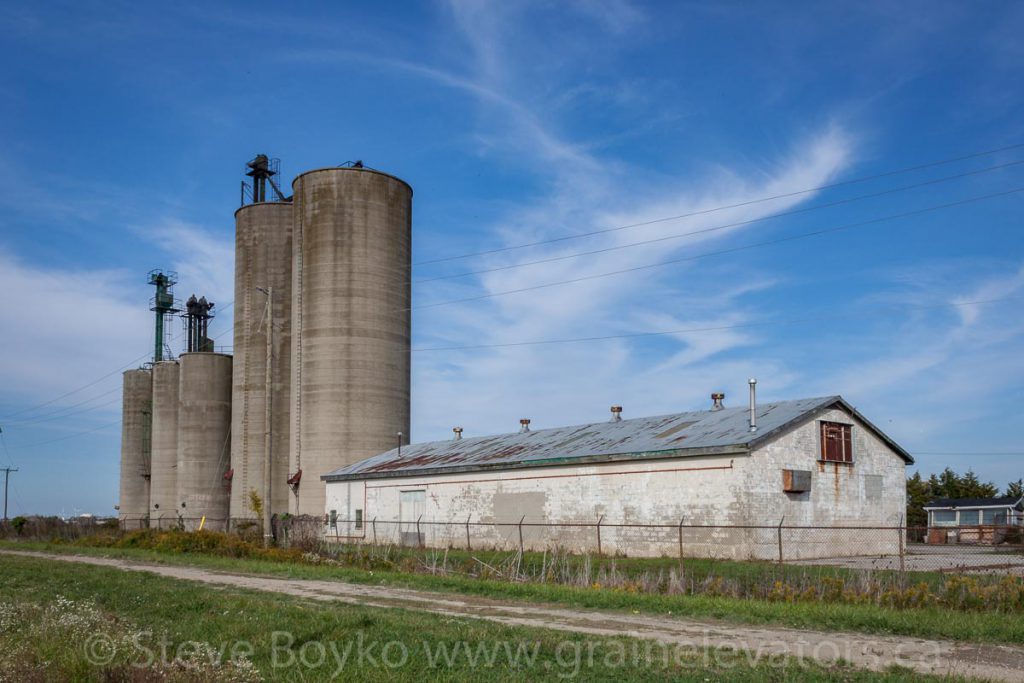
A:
(204, 433)
(350, 322)
(137, 398)
(163, 483)
(263, 267)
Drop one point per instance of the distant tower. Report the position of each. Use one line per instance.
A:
(197, 321)
(163, 305)
(262, 170)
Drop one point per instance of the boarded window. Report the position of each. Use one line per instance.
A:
(836, 442)
(359, 518)
(873, 487)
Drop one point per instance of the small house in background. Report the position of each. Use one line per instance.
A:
(973, 520)
(716, 483)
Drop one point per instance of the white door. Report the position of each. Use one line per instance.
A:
(412, 505)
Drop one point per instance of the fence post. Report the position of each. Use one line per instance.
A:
(601, 519)
(521, 550)
(469, 545)
(780, 537)
(681, 519)
(373, 524)
(419, 535)
(902, 549)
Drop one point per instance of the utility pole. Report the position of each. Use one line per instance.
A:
(7, 475)
(268, 430)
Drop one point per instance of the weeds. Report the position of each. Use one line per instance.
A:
(75, 640)
(556, 566)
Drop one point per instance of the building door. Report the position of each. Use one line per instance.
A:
(412, 505)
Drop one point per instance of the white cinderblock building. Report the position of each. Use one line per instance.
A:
(810, 462)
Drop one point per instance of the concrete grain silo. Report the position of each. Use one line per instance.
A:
(204, 433)
(350, 322)
(137, 397)
(163, 484)
(263, 261)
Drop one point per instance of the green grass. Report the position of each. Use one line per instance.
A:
(146, 618)
(989, 627)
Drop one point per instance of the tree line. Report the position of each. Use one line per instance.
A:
(949, 484)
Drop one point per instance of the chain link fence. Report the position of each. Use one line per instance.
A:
(891, 548)
(989, 549)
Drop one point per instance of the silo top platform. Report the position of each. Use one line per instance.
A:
(362, 169)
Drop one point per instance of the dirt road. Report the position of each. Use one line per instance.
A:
(994, 662)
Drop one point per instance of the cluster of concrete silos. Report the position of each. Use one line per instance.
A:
(334, 260)
(176, 442)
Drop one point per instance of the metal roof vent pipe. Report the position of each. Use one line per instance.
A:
(616, 414)
(458, 433)
(717, 399)
(753, 404)
(524, 426)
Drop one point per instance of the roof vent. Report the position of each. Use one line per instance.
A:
(616, 414)
(753, 404)
(524, 426)
(458, 433)
(717, 399)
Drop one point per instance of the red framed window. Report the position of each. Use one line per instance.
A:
(836, 442)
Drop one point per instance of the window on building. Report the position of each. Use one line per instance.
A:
(969, 517)
(334, 519)
(993, 516)
(836, 442)
(944, 517)
(359, 518)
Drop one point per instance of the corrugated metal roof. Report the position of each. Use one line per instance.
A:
(681, 434)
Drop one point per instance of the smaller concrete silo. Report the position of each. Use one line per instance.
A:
(163, 485)
(204, 439)
(137, 400)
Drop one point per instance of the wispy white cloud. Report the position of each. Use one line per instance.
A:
(61, 326)
(556, 384)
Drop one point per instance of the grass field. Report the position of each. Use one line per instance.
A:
(927, 622)
(74, 622)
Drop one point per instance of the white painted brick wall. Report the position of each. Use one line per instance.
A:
(713, 490)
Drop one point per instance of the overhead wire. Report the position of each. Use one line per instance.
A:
(701, 212)
(715, 328)
(719, 252)
(174, 337)
(62, 412)
(716, 228)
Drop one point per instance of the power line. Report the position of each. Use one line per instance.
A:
(72, 435)
(980, 453)
(7, 476)
(725, 226)
(695, 257)
(717, 328)
(127, 366)
(63, 412)
(796, 193)
(7, 451)
(74, 413)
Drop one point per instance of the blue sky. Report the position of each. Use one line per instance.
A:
(126, 126)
